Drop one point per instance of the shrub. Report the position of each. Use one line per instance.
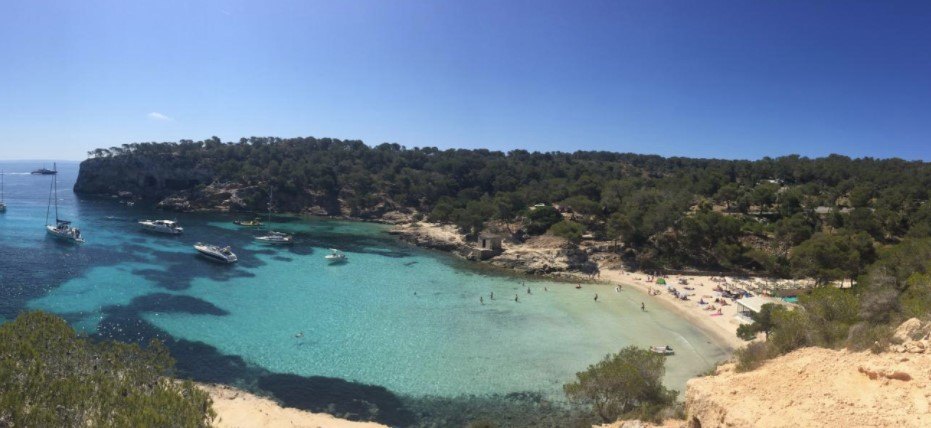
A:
(626, 383)
(568, 229)
(541, 219)
(752, 356)
(50, 376)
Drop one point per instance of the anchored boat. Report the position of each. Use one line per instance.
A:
(216, 253)
(161, 226)
(62, 229)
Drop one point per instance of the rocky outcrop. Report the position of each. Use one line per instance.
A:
(816, 387)
(183, 184)
(150, 178)
(544, 255)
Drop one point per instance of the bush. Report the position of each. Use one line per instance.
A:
(541, 219)
(627, 383)
(568, 229)
(752, 356)
(51, 377)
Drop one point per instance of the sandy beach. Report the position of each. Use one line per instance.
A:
(722, 328)
(239, 409)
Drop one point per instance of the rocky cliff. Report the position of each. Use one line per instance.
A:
(816, 387)
(149, 178)
(182, 184)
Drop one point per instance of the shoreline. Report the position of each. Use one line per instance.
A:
(722, 330)
(236, 408)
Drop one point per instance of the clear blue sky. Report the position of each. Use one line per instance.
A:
(738, 79)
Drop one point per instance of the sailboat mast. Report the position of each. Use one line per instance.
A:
(55, 168)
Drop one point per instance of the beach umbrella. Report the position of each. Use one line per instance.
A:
(661, 281)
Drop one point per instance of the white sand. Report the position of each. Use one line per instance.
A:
(722, 328)
(240, 409)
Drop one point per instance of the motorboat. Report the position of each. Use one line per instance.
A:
(62, 229)
(335, 256)
(662, 349)
(44, 171)
(256, 222)
(216, 253)
(275, 238)
(168, 227)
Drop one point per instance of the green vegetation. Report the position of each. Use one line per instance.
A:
(51, 377)
(896, 287)
(627, 384)
(788, 216)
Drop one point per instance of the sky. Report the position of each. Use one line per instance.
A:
(736, 79)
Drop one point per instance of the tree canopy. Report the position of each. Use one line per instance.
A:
(52, 377)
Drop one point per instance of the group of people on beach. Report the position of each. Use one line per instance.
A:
(578, 286)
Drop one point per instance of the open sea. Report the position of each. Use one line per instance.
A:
(396, 335)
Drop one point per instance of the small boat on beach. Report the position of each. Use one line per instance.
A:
(663, 350)
(167, 227)
(336, 256)
(216, 253)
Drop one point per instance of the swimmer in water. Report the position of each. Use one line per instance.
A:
(299, 335)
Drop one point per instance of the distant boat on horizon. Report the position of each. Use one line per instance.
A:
(44, 171)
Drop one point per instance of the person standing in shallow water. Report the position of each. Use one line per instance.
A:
(515, 298)
(643, 307)
(492, 295)
(481, 300)
(596, 297)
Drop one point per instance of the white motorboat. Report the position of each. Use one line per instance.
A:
(335, 256)
(275, 238)
(216, 253)
(62, 229)
(161, 226)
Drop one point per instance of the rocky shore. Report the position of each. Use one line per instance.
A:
(538, 255)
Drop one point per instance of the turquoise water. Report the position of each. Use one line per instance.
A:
(397, 328)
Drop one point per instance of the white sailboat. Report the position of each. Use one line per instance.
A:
(272, 237)
(62, 229)
(2, 204)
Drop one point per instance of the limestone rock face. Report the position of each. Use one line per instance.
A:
(816, 387)
(144, 177)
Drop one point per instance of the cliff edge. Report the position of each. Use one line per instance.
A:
(816, 387)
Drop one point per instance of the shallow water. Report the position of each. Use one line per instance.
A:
(395, 330)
